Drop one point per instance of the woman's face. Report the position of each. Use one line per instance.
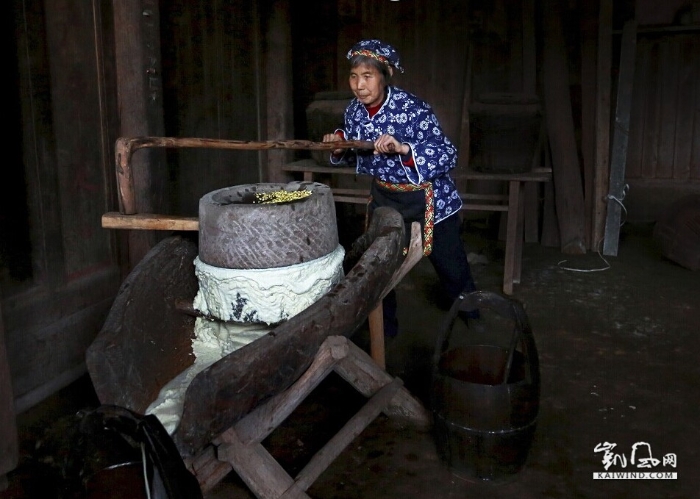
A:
(367, 83)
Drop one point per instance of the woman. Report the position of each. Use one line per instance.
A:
(410, 164)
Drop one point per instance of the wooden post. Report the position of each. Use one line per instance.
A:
(588, 116)
(464, 130)
(620, 135)
(568, 187)
(532, 189)
(140, 102)
(278, 75)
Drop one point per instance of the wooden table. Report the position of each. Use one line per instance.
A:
(511, 203)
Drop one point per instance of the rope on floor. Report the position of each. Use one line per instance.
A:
(625, 190)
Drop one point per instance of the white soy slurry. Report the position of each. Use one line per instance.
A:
(255, 299)
(213, 340)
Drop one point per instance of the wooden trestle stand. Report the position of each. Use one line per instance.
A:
(240, 447)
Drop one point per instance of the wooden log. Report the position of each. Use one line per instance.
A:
(619, 148)
(565, 163)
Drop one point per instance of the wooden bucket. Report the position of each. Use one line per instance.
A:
(485, 397)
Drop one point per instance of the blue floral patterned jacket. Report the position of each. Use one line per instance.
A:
(411, 121)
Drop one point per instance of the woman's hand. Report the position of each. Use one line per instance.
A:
(387, 144)
(333, 137)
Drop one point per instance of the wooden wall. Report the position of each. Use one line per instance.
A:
(83, 74)
(66, 117)
(663, 157)
(212, 60)
(664, 141)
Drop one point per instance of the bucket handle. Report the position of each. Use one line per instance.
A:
(505, 307)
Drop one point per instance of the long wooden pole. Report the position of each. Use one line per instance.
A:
(126, 146)
(602, 127)
(618, 155)
(568, 187)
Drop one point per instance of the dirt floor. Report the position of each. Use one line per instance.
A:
(617, 342)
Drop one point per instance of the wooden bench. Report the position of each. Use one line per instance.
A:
(511, 203)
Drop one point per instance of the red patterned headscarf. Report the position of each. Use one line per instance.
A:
(377, 50)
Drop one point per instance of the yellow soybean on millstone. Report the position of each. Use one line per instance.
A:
(280, 196)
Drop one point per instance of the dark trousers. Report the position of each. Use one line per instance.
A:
(449, 259)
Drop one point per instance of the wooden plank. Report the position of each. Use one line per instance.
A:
(529, 48)
(148, 221)
(376, 335)
(513, 235)
(262, 421)
(650, 141)
(695, 155)
(685, 108)
(535, 175)
(464, 129)
(9, 441)
(602, 122)
(532, 198)
(619, 149)
(668, 93)
(208, 470)
(588, 101)
(324, 457)
(560, 125)
(484, 207)
(260, 472)
(635, 143)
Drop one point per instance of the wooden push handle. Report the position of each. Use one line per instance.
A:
(125, 147)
